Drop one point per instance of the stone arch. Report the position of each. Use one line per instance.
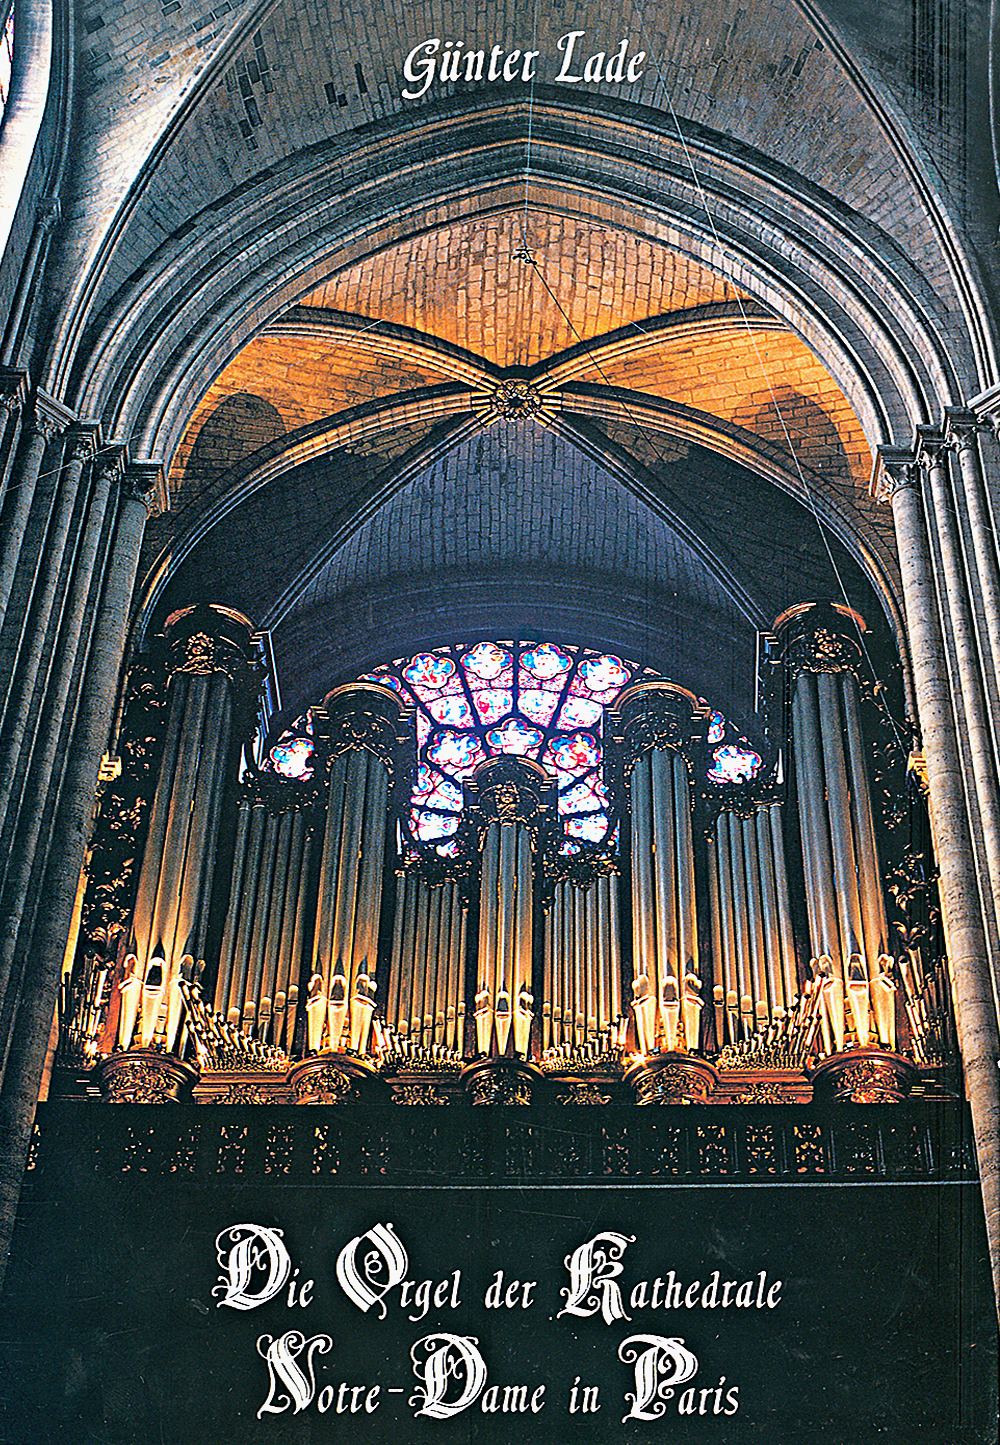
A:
(858, 304)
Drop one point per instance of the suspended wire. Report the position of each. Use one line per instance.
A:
(800, 473)
(527, 255)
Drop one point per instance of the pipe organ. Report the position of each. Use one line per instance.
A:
(257, 987)
(625, 894)
(754, 962)
(425, 1003)
(581, 973)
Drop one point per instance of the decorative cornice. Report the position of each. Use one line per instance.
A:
(210, 638)
(50, 415)
(508, 789)
(819, 637)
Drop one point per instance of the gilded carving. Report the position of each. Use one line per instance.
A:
(584, 1092)
(417, 1094)
(325, 1085)
(763, 1093)
(489, 1087)
(199, 654)
(139, 1081)
(516, 399)
(870, 1081)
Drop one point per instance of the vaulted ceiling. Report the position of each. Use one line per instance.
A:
(588, 358)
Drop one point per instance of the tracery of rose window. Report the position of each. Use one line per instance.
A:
(533, 699)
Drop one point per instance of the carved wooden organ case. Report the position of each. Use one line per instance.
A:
(248, 937)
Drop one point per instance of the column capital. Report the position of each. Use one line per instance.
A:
(986, 405)
(82, 441)
(930, 445)
(962, 427)
(50, 416)
(14, 387)
(895, 470)
(110, 461)
(145, 481)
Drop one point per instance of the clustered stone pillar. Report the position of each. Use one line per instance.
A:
(898, 480)
(133, 490)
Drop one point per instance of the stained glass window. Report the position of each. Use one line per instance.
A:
(533, 699)
(538, 700)
(292, 755)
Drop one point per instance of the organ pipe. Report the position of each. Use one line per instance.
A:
(845, 906)
(425, 1003)
(748, 878)
(257, 986)
(581, 985)
(209, 678)
(666, 982)
(342, 983)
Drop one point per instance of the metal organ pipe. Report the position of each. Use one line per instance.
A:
(581, 975)
(425, 1004)
(665, 941)
(208, 654)
(816, 845)
(843, 884)
(872, 900)
(777, 855)
(748, 877)
(839, 814)
(349, 901)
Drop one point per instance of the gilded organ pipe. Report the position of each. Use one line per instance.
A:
(209, 676)
(747, 877)
(843, 884)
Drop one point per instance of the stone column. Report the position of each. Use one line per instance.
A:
(26, 1059)
(962, 430)
(37, 761)
(14, 386)
(898, 480)
(48, 419)
(27, 658)
(932, 457)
